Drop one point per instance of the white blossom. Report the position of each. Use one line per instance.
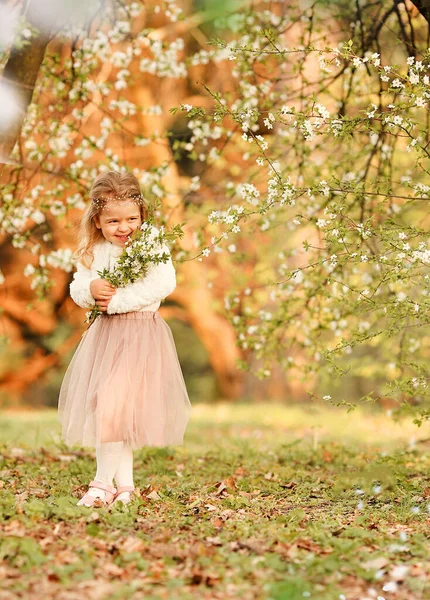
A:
(249, 193)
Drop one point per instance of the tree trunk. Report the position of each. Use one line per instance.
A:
(20, 74)
(424, 7)
(35, 368)
(193, 294)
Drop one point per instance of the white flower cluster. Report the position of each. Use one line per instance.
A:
(85, 150)
(38, 217)
(40, 277)
(268, 122)
(249, 94)
(419, 382)
(122, 59)
(336, 127)
(363, 232)
(14, 219)
(322, 111)
(422, 190)
(121, 82)
(249, 192)
(82, 89)
(202, 57)
(18, 240)
(282, 191)
(165, 62)
(133, 10)
(395, 120)
(29, 270)
(323, 64)
(155, 109)
(142, 141)
(423, 254)
(257, 139)
(125, 107)
(203, 132)
(306, 127)
(61, 259)
(62, 141)
(194, 184)
(34, 151)
(98, 45)
(324, 188)
(57, 208)
(119, 32)
(229, 216)
(172, 11)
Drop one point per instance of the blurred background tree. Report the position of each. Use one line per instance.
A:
(276, 129)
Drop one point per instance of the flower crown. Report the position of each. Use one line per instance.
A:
(100, 201)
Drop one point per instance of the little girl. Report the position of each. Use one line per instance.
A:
(124, 387)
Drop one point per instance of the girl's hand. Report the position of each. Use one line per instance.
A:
(101, 290)
(103, 304)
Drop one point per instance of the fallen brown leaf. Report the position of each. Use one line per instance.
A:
(14, 527)
(111, 569)
(311, 546)
(376, 563)
(214, 541)
(328, 457)
(153, 495)
(398, 572)
(251, 545)
(218, 523)
(241, 472)
(132, 544)
(289, 486)
(226, 484)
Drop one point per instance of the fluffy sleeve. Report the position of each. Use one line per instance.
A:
(159, 282)
(80, 287)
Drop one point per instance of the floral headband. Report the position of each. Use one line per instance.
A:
(100, 201)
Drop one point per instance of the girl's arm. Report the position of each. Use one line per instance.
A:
(159, 282)
(80, 287)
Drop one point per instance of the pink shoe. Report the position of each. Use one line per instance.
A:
(105, 499)
(126, 492)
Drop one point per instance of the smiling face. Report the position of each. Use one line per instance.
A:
(117, 220)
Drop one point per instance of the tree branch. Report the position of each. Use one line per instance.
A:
(424, 7)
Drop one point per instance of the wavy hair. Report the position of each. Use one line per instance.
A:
(109, 185)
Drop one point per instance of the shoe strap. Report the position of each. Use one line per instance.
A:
(124, 488)
(103, 486)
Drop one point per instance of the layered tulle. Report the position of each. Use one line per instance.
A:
(125, 383)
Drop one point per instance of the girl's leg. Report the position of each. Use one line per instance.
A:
(124, 472)
(108, 458)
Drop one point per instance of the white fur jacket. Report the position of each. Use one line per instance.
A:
(144, 294)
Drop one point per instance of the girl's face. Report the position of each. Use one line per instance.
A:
(118, 220)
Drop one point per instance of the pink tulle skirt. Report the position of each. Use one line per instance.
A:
(125, 383)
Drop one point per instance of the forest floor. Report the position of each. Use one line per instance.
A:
(262, 502)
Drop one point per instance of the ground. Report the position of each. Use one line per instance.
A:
(262, 502)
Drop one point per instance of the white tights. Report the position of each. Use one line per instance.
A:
(114, 461)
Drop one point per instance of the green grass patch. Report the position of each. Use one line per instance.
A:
(262, 501)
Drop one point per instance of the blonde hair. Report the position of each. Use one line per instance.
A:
(110, 185)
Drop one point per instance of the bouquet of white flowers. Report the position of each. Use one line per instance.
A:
(142, 249)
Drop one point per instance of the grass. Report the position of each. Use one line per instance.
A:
(262, 502)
